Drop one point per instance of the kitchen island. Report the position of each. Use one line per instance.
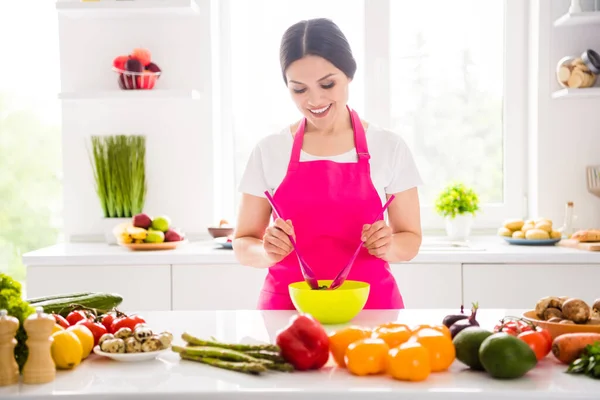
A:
(167, 377)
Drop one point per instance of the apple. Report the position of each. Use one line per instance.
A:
(161, 223)
(172, 235)
(142, 221)
(155, 237)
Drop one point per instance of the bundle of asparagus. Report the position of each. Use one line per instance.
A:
(247, 358)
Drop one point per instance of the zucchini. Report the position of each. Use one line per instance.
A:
(56, 297)
(101, 302)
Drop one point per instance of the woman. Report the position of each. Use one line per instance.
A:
(330, 174)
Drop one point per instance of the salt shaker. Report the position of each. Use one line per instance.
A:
(9, 369)
(39, 367)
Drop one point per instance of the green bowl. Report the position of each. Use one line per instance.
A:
(330, 307)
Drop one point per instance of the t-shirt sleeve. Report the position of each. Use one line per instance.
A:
(253, 179)
(405, 174)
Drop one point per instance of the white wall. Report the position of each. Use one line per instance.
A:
(564, 133)
(179, 131)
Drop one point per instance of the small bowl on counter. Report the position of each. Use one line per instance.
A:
(219, 232)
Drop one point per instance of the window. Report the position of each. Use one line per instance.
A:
(444, 75)
(30, 188)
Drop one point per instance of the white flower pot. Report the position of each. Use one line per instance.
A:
(459, 227)
(108, 224)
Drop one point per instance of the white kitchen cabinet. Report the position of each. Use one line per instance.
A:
(429, 285)
(521, 286)
(143, 287)
(216, 287)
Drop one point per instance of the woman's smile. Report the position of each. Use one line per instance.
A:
(320, 112)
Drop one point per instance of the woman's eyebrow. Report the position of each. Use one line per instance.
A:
(325, 77)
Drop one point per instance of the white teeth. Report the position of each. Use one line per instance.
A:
(320, 110)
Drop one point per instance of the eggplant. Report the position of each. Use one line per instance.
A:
(463, 323)
(452, 318)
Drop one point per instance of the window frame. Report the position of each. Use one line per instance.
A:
(377, 86)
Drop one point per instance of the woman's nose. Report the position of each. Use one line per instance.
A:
(314, 98)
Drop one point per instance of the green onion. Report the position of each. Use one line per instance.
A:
(118, 162)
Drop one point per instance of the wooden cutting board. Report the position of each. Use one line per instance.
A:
(575, 244)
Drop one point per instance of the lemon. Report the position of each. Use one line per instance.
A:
(86, 338)
(66, 349)
(57, 328)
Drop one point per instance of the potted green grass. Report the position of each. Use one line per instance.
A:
(119, 166)
(458, 204)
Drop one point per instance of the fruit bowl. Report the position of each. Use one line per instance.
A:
(129, 80)
(153, 246)
(337, 306)
(556, 329)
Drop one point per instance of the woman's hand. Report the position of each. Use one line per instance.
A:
(276, 242)
(377, 238)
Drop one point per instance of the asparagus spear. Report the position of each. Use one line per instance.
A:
(218, 353)
(267, 355)
(245, 367)
(283, 367)
(239, 347)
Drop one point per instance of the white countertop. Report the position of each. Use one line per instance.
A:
(168, 377)
(433, 251)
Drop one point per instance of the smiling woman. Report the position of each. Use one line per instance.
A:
(329, 173)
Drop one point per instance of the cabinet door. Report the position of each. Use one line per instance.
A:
(521, 286)
(216, 287)
(429, 285)
(143, 287)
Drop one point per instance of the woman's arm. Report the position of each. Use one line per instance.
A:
(405, 220)
(252, 221)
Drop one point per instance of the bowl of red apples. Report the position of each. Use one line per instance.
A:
(136, 70)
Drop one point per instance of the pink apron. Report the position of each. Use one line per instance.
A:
(328, 204)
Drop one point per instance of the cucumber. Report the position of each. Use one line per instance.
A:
(56, 297)
(101, 302)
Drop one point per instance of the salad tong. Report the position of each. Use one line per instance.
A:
(308, 274)
(343, 274)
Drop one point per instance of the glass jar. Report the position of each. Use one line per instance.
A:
(578, 72)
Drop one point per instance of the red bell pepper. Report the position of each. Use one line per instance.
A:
(304, 343)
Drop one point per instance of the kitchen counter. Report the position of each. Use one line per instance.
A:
(487, 250)
(167, 377)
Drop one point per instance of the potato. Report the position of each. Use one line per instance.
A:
(527, 227)
(542, 219)
(537, 234)
(552, 312)
(513, 224)
(555, 234)
(576, 310)
(518, 235)
(504, 232)
(544, 225)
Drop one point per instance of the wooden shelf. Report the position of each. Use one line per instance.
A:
(155, 94)
(582, 18)
(124, 8)
(576, 93)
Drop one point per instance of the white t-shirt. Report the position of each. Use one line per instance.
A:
(393, 168)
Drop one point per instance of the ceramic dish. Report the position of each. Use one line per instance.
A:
(153, 246)
(532, 242)
(130, 357)
(217, 232)
(555, 329)
(224, 242)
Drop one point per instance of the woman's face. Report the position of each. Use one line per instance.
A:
(319, 89)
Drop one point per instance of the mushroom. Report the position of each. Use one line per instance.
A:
(555, 319)
(596, 309)
(566, 321)
(576, 310)
(544, 303)
(552, 312)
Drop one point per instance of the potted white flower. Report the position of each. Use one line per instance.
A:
(458, 204)
(119, 165)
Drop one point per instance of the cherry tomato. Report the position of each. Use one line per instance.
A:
(60, 320)
(96, 328)
(107, 320)
(128, 321)
(537, 341)
(76, 316)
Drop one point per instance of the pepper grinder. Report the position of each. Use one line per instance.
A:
(9, 369)
(39, 367)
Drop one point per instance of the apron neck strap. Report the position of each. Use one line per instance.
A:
(360, 140)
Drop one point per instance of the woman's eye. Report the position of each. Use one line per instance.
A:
(299, 91)
(328, 86)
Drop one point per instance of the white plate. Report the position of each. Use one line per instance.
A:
(130, 357)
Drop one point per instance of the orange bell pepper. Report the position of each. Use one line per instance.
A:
(341, 339)
(367, 356)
